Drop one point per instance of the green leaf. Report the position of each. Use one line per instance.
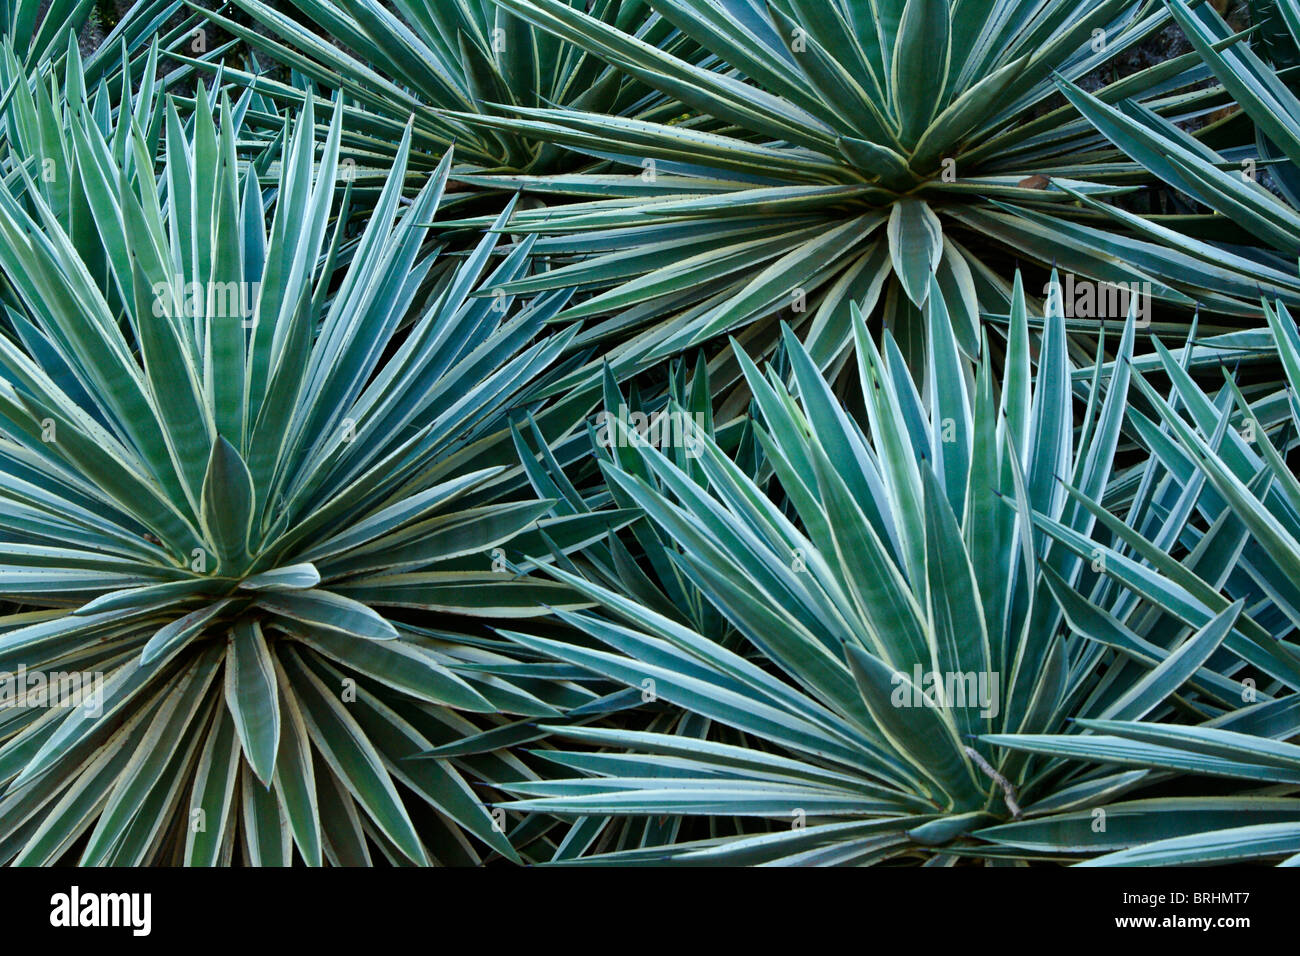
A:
(252, 699)
(227, 505)
(920, 68)
(915, 244)
(331, 612)
(1228, 845)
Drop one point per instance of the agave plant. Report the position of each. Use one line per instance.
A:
(440, 66)
(235, 457)
(877, 662)
(850, 154)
